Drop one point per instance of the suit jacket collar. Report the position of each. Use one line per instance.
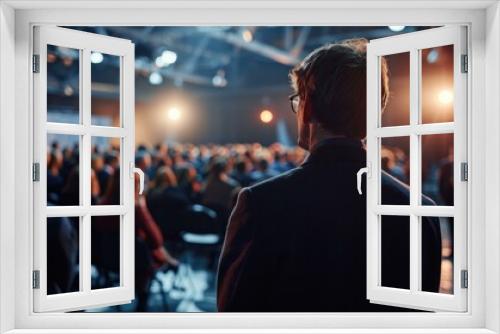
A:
(337, 150)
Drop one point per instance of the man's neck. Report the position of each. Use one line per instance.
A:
(319, 135)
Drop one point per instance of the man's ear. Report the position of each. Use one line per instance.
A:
(308, 115)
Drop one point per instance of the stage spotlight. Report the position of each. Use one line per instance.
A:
(219, 80)
(432, 56)
(68, 90)
(445, 97)
(96, 57)
(266, 116)
(247, 35)
(167, 58)
(174, 114)
(397, 28)
(155, 78)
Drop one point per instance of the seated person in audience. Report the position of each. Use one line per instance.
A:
(220, 190)
(297, 242)
(55, 181)
(167, 202)
(62, 250)
(241, 173)
(263, 171)
(150, 251)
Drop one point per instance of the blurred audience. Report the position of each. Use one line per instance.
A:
(177, 176)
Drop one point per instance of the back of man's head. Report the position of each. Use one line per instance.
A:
(333, 79)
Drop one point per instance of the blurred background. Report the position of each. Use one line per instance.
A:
(212, 115)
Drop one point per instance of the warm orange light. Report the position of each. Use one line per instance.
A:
(174, 114)
(247, 36)
(445, 97)
(266, 116)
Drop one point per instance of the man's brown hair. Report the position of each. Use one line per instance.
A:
(333, 79)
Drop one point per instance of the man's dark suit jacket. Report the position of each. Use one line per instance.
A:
(297, 242)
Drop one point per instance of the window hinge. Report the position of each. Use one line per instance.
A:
(465, 63)
(36, 172)
(36, 279)
(464, 279)
(464, 171)
(36, 63)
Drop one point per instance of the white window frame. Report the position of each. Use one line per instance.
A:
(85, 43)
(413, 43)
(16, 21)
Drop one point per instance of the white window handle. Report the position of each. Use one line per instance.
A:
(359, 180)
(139, 171)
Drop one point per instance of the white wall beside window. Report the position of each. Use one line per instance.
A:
(484, 124)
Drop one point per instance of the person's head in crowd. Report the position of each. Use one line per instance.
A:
(241, 166)
(111, 159)
(330, 87)
(263, 164)
(218, 167)
(143, 159)
(67, 153)
(97, 162)
(165, 177)
(55, 161)
(112, 193)
(186, 174)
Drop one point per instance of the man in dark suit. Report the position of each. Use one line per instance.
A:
(297, 242)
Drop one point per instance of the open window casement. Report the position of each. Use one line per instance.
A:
(428, 87)
(76, 217)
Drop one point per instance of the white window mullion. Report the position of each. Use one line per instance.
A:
(414, 297)
(85, 156)
(85, 297)
(415, 170)
(127, 111)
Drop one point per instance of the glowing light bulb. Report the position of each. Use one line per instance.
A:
(174, 114)
(445, 96)
(266, 116)
(397, 28)
(96, 57)
(247, 36)
(155, 78)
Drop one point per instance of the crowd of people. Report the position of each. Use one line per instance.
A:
(177, 176)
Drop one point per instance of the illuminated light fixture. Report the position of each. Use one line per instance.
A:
(155, 78)
(445, 97)
(247, 35)
(432, 56)
(266, 116)
(397, 28)
(167, 58)
(219, 80)
(68, 90)
(96, 57)
(174, 114)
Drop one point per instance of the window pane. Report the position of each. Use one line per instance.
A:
(63, 177)
(395, 162)
(437, 169)
(63, 255)
(397, 111)
(105, 251)
(395, 244)
(437, 254)
(105, 73)
(437, 84)
(63, 84)
(105, 174)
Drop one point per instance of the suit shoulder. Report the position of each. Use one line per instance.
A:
(397, 192)
(279, 181)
